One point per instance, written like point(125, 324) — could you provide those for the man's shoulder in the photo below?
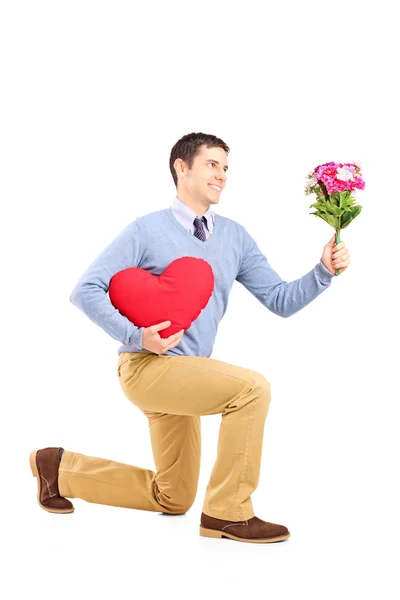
point(149, 219)
point(231, 224)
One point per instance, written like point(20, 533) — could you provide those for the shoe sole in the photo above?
point(35, 473)
point(214, 533)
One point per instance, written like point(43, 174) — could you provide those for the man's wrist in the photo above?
point(136, 338)
point(323, 272)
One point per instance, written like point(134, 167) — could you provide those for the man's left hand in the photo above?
point(336, 257)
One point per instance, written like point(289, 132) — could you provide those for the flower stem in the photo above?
point(337, 241)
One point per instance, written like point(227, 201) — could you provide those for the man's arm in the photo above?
point(90, 293)
point(280, 297)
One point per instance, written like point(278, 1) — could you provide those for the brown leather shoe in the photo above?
point(253, 530)
point(44, 464)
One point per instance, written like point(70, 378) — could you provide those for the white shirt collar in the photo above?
point(186, 215)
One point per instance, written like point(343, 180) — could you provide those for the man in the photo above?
point(174, 381)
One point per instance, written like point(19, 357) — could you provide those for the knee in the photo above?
point(262, 387)
point(177, 502)
point(179, 511)
point(178, 506)
point(262, 384)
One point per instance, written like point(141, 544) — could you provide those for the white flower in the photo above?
point(344, 174)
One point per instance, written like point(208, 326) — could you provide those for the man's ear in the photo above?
point(179, 166)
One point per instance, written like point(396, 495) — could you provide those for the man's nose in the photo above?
point(222, 176)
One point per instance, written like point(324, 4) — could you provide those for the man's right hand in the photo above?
point(154, 343)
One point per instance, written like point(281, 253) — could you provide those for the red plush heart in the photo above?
point(177, 295)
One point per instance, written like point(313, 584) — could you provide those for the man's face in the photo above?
point(206, 179)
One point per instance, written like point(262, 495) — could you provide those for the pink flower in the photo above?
point(339, 177)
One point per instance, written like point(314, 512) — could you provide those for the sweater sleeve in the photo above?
point(280, 297)
point(90, 292)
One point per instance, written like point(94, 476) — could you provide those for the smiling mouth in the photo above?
point(214, 187)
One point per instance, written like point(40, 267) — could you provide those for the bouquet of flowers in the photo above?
point(333, 184)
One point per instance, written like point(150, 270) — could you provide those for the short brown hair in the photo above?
point(188, 147)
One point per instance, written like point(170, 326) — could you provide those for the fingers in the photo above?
point(340, 263)
point(174, 337)
point(169, 347)
point(153, 342)
point(173, 340)
point(339, 246)
point(340, 257)
point(339, 253)
point(160, 326)
point(339, 249)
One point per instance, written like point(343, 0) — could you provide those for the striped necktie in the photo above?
point(199, 229)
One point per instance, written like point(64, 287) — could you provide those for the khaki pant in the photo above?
point(173, 392)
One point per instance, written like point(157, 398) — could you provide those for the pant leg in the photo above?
point(195, 386)
point(176, 443)
point(172, 489)
point(105, 481)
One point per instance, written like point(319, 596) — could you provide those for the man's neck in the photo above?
point(197, 207)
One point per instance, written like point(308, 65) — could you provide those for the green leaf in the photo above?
point(345, 205)
point(344, 225)
point(328, 218)
point(349, 216)
point(320, 205)
point(343, 197)
point(334, 210)
point(335, 198)
point(323, 211)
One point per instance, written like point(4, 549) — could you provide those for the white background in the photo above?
point(94, 95)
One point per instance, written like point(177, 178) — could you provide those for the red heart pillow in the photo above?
point(177, 295)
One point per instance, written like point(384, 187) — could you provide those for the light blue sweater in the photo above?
point(154, 240)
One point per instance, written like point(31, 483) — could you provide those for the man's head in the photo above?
point(198, 161)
